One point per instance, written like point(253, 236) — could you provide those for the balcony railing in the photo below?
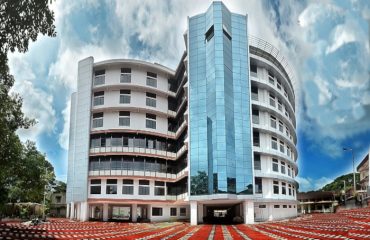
point(99, 80)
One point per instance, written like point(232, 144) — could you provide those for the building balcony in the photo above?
point(170, 177)
point(98, 151)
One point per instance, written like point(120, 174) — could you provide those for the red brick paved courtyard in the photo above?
point(350, 224)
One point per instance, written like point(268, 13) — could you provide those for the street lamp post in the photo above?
point(44, 205)
point(353, 165)
point(344, 191)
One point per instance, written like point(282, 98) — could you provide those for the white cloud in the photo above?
point(325, 95)
point(310, 184)
point(37, 103)
point(341, 36)
point(64, 135)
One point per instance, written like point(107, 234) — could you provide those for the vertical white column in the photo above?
point(72, 210)
point(149, 212)
point(200, 213)
point(270, 211)
point(67, 210)
point(78, 211)
point(84, 211)
point(248, 208)
point(105, 212)
point(193, 213)
point(134, 212)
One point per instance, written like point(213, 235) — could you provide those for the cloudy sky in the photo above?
point(326, 42)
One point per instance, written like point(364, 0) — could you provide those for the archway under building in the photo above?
point(222, 213)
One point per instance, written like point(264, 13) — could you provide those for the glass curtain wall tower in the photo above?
point(212, 140)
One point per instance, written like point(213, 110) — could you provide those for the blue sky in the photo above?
point(326, 42)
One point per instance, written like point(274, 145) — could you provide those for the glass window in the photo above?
point(276, 187)
point(275, 165)
point(143, 187)
point(289, 170)
point(271, 78)
point(157, 211)
point(273, 121)
point(97, 120)
point(111, 186)
point(99, 78)
point(95, 186)
point(151, 79)
point(209, 34)
point(285, 206)
point(173, 212)
point(274, 143)
point(255, 116)
point(253, 70)
point(98, 98)
point(226, 33)
point(254, 93)
point(159, 188)
point(124, 118)
point(182, 211)
point(283, 188)
point(287, 131)
point(150, 121)
point(280, 105)
point(282, 148)
point(290, 189)
point(125, 75)
point(262, 206)
point(288, 151)
point(276, 206)
point(128, 186)
point(256, 139)
point(278, 84)
point(281, 126)
point(151, 100)
point(257, 161)
point(258, 184)
point(125, 96)
point(272, 100)
point(282, 167)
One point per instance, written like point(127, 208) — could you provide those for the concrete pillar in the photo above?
point(72, 211)
point(84, 211)
point(308, 208)
point(67, 212)
point(105, 212)
point(270, 211)
point(248, 208)
point(200, 213)
point(134, 212)
point(193, 213)
point(78, 211)
point(149, 212)
point(323, 208)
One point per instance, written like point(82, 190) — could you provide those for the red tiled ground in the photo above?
point(350, 224)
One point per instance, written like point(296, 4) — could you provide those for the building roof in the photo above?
point(315, 195)
point(366, 159)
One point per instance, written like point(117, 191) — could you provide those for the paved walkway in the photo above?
point(351, 224)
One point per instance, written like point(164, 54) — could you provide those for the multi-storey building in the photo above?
point(213, 139)
point(364, 170)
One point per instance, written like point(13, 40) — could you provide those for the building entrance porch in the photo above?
point(118, 212)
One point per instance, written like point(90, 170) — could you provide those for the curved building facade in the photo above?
point(210, 141)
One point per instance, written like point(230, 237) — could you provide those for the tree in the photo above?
point(20, 22)
point(33, 174)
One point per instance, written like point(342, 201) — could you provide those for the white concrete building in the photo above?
point(213, 140)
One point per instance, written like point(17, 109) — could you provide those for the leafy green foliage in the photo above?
point(337, 185)
point(21, 165)
point(199, 183)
